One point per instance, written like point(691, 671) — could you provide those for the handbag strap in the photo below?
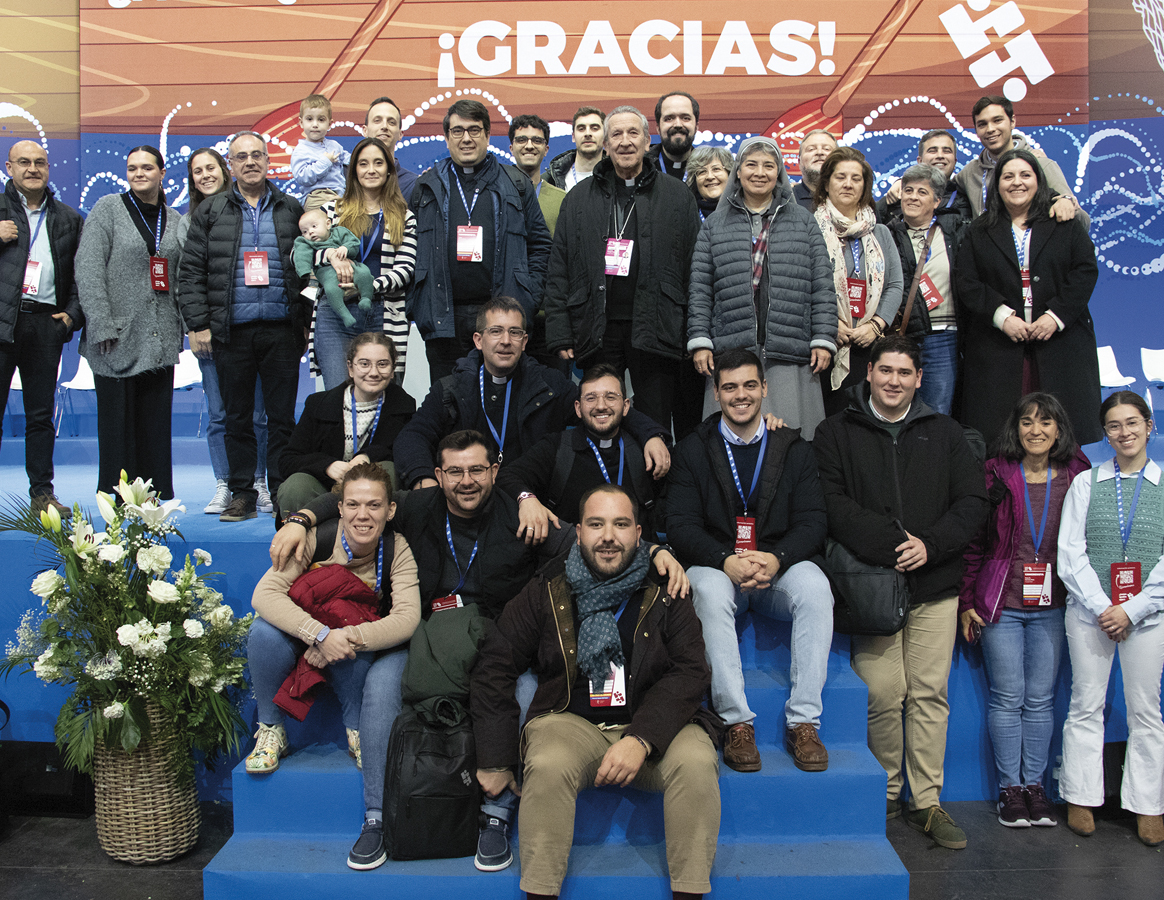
point(916, 279)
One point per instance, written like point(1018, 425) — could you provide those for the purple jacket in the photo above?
point(990, 555)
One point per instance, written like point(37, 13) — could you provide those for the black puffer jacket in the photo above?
point(953, 226)
point(206, 282)
point(64, 230)
point(559, 166)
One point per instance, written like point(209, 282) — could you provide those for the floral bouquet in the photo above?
point(125, 631)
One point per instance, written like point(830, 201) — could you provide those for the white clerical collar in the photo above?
point(606, 443)
point(873, 409)
point(467, 170)
point(630, 182)
point(498, 379)
point(732, 438)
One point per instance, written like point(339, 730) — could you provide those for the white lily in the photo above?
point(135, 493)
point(105, 507)
point(85, 539)
point(154, 513)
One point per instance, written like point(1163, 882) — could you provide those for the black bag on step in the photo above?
point(431, 797)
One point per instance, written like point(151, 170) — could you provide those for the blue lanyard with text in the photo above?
point(256, 211)
point(499, 439)
point(157, 231)
point(950, 202)
point(453, 550)
point(755, 475)
point(379, 557)
point(1022, 249)
point(377, 231)
point(930, 248)
point(602, 465)
point(468, 206)
point(39, 222)
point(1126, 529)
point(1038, 538)
point(984, 188)
point(375, 422)
point(855, 248)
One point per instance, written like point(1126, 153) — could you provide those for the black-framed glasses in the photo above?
point(459, 131)
point(497, 331)
point(456, 473)
point(523, 139)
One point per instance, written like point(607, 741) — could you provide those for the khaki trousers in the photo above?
point(563, 754)
point(908, 673)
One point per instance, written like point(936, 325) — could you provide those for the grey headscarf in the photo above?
point(759, 142)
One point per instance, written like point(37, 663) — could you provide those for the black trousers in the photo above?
point(443, 353)
point(268, 353)
point(653, 377)
point(133, 429)
point(36, 351)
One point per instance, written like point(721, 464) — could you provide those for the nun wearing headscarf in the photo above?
point(761, 278)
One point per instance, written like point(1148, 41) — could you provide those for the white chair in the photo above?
point(1109, 371)
point(81, 381)
point(1152, 362)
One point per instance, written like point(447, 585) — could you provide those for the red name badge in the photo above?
point(255, 271)
point(1036, 584)
point(32, 278)
point(745, 533)
point(857, 289)
point(613, 691)
point(159, 273)
point(452, 601)
point(618, 256)
point(470, 243)
point(1125, 581)
point(930, 293)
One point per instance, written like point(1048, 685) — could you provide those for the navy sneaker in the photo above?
point(368, 851)
point(493, 853)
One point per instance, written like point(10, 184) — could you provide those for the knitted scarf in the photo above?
point(599, 643)
point(837, 229)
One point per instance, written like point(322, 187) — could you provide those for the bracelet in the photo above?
point(658, 547)
point(298, 519)
point(641, 741)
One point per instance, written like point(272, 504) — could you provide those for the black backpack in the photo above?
point(431, 797)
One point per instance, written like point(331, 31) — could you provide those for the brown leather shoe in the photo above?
point(804, 744)
point(1080, 820)
point(739, 750)
point(1150, 829)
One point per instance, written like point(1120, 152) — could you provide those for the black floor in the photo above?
point(60, 859)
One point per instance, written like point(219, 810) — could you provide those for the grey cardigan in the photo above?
point(113, 282)
point(802, 303)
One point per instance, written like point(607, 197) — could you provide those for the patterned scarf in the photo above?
point(760, 250)
point(599, 643)
point(837, 229)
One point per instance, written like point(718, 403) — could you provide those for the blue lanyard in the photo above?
point(39, 222)
point(1038, 538)
point(255, 211)
point(1126, 529)
point(379, 557)
point(538, 189)
point(1022, 250)
point(499, 439)
point(377, 231)
point(930, 248)
point(157, 232)
point(950, 202)
point(468, 206)
point(375, 422)
point(755, 475)
point(602, 465)
point(855, 248)
point(702, 217)
point(453, 550)
point(984, 183)
point(622, 609)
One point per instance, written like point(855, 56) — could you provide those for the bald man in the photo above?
point(39, 309)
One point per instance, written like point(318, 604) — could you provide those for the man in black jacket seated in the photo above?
point(621, 677)
point(745, 512)
point(500, 392)
point(905, 491)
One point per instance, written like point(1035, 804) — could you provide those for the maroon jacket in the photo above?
point(666, 683)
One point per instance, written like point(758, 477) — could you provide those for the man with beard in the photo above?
point(621, 679)
point(814, 150)
point(677, 118)
point(936, 148)
point(529, 142)
point(746, 512)
point(556, 471)
point(569, 168)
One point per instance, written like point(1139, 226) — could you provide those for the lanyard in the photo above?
point(538, 189)
point(929, 248)
point(1023, 251)
point(499, 439)
point(39, 222)
point(255, 211)
point(453, 550)
point(626, 221)
point(702, 217)
point(157, 233)
point(855, 248)
point(953, 194)
point(755, 475)
point(622, 609)
point(602, 465)
point(379, 557)
point(1126, 530)
point(469, 207)
point(377, 231)
point(375, 421)
point(1038, 538)
point(984, 183)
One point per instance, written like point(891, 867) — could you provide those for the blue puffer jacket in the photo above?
point(802, 304)
point(259, 304)
point(522, 245)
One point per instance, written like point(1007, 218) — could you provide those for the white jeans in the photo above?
point(1141, 659)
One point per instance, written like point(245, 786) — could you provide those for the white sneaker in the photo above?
point(270, 747)
point(221, 499)
point(263, 504)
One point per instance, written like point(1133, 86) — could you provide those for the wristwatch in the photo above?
point(324, 631)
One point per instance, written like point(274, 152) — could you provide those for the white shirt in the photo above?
point(732, 438)
point(40, 251)
point(1084, 592)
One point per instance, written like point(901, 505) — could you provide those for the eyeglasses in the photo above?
point(382, 365)
point(458, 474)
point(23, 163)
point(611, 398)
point(256, 155)
point(497, 332)
point(458, 132)
point(522, 139)
point(1114, 428)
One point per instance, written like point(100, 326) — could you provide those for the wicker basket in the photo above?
point(144, 814)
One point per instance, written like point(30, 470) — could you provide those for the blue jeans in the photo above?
point(272, 654)
point(1022, 652)
point(216, 424)
point(939, 356)
point(382, 704)
point(332, 338)
point(800, 595)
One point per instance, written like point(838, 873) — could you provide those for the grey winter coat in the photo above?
point(113, 281)
point(802, 304)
